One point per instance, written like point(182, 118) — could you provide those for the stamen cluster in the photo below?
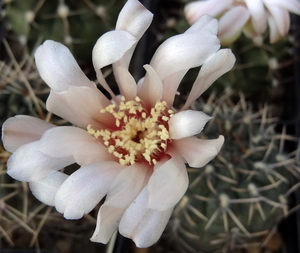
point(138, 134)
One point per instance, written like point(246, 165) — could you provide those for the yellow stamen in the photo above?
point(140, 135)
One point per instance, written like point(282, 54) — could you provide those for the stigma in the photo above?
point(138, 134)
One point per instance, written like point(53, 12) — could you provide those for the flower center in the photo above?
point(138, 135)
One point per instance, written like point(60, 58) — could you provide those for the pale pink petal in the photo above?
point(92, 152)
point(168, 183)
point(187, 123)
point(142, 224)
point(197, 152)
point(281, 18)
point(220, 63)
point(22, 129)
point(58, 68)
point(45, 189)
point(258, 15)
point(84, 189)
point(180, 53)
point(194, 10)
point(126, 83)
point(274, 31)
point(206, 22)
point(80, 106)
point(170, 86)
point(27, 163)
point(151, 89)
point(124, 189)
point(57, 103)
point(64, 141)
point(290, 5)
point(232, 22)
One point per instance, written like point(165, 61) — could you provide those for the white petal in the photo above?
point(27, 163)
point(282, 19)
point(142, 224)
point(258, 15)
point(178, 54)
point(168, 183)
point(58, 68)
point(232, 22)
point(198, 152)
point(220, 63)
point(124, 189)
point(22, 129)
point(45, 189)
point(206, 22)
point(111, 47)
point(184, 51)
point(134, 18)
point(151, 89)
point(64, 141)
point(194, 10)
point(274, 31)
point(84, 189)
point(290, 5)
point(187, 123)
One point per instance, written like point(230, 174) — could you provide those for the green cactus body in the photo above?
point(78, 24)
point(239, 197)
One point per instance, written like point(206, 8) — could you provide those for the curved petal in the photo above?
point(274, 31)
point(232, 22)
point(142, 224)
point(22, 129)
point(168, 183)
point(135, 19)
point(45, 189)
point(198, 152)
point(65, 140)
point(27, 163)
point(281, 18)
point(290, 5)
point(58, 68)
point(194, 10)
point(187, 123)
point(180, 53)
point(84, 189)
point(220, 63)
point(110, 48)
point(184, 51)
point(151, 88)
point(258, 15)
point(124, 189)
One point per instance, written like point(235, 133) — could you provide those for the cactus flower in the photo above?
point(250, 16)
point(131, 149)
